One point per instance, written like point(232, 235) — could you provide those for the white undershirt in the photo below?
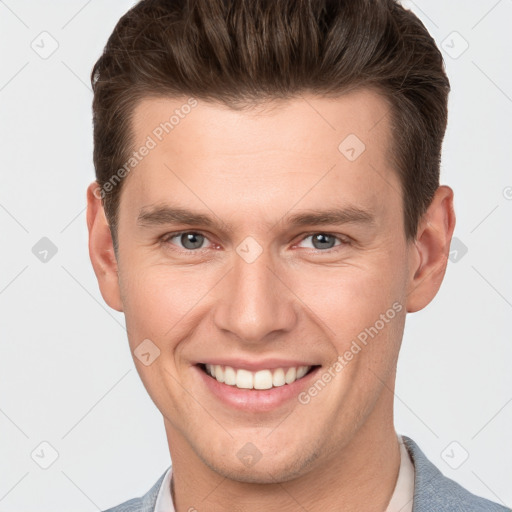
point(401, 500)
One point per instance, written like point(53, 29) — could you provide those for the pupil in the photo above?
point(191, 240)
point(323, 239)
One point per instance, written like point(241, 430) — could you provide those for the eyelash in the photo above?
point(343, 241)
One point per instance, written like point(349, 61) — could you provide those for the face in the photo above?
point(264, 244)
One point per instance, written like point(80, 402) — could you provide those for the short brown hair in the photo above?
point(243, 52)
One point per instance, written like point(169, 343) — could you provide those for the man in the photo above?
point(266, 212)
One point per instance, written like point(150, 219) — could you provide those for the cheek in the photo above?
point(351, 292)
point(159, 301)
point(356, 303)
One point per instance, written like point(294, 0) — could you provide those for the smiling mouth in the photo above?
point(259, 380)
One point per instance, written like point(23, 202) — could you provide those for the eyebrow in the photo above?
point(165, 215)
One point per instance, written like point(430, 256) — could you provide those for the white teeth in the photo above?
point(291, 375)
point(244, 379)
point(219, 373)
point(262, 379)
point(301, 371)
point(278, 377)
point(229, 376)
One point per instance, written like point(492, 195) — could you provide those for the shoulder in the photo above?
point(133, 505)
point(434, 491)
point(144, 503)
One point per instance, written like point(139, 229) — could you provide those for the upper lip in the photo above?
point(267, 364)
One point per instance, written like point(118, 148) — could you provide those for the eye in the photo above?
point(189, 240)
point(192, 241)
point(327, 241)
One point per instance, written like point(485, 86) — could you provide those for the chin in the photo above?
point(266, 470)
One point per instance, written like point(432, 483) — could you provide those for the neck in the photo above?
point(361, 476)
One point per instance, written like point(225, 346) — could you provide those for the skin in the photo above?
point(249, 169)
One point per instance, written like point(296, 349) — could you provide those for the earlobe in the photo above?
point(430, 250)
point(101, 249)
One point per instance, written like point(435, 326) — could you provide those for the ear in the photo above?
point(431, 249)
point(101, 249)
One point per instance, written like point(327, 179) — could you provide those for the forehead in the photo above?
point(362, 112)
point(306, 149)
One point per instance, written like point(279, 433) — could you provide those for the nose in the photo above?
point(255, 302)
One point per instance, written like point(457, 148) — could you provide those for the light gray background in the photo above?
point(66, 374)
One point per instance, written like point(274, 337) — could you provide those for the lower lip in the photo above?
point(256, 400)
